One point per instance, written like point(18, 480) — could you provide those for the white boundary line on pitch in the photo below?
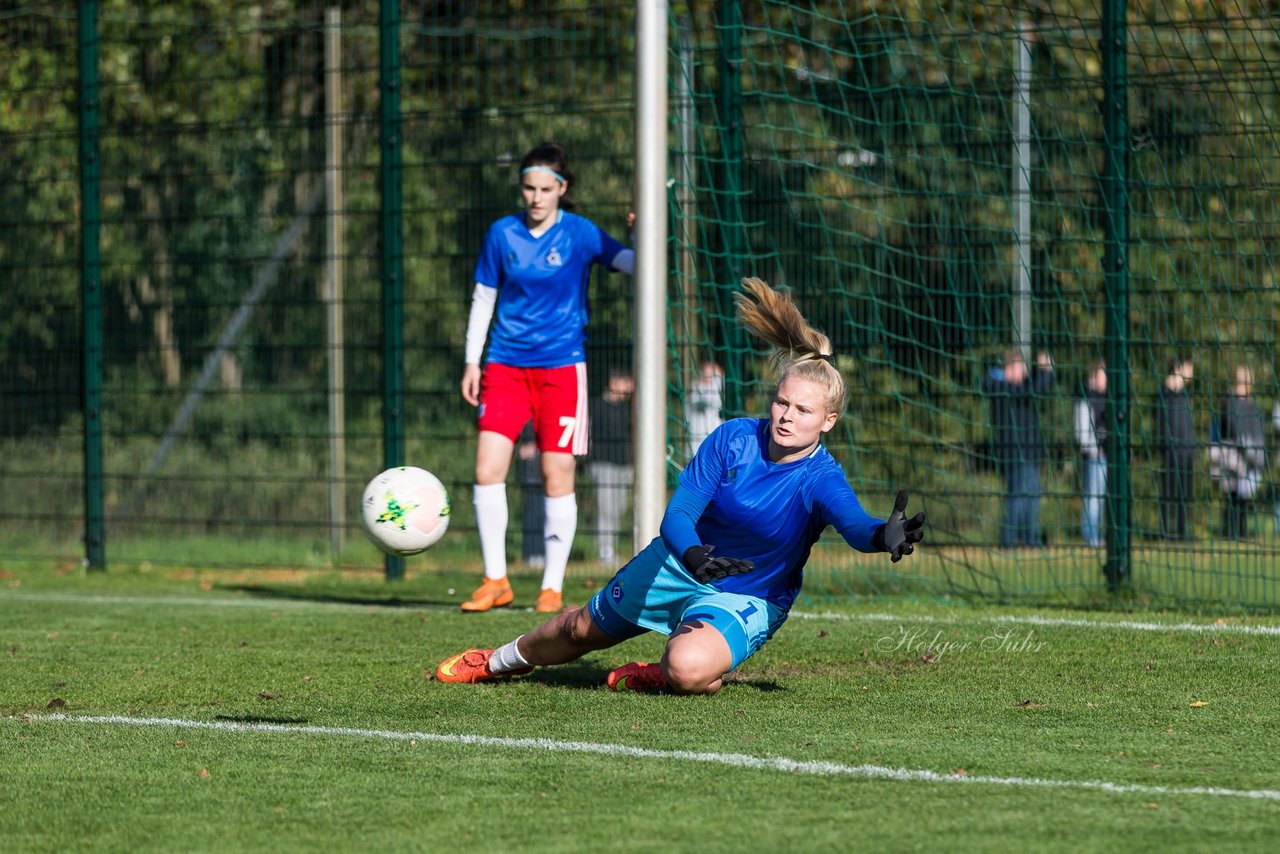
point(1034, 620)
point(379, 607)
point(737, 760)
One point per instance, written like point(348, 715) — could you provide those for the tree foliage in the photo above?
point(876, 181)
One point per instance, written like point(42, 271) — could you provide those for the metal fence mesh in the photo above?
point(929, 179)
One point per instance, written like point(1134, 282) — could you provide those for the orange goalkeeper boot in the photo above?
point(638, 676)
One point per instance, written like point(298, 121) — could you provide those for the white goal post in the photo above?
point(651, 269)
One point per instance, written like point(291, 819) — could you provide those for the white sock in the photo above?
point(491, 518)
point(507, 658)
point(562, 523)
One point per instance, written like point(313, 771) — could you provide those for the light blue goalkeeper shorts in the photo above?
point(654, 592)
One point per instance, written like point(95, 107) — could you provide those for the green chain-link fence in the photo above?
point(940, 183)
point(937, 183)
point(213, 124)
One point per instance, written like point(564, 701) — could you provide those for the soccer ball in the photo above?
point(406, 510)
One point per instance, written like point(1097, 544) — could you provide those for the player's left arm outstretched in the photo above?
point(896, 535)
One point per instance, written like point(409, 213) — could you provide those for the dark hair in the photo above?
point(552, 156)
point(1178, 361)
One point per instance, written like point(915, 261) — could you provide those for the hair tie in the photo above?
point(829, 358)
point(553, 173)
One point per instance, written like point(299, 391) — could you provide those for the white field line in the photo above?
point(736, 760)
point(376, 607)
point(1036, 620)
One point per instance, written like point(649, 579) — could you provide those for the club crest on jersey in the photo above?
point(553, 257)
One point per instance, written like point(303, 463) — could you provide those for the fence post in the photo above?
point(391, 224)
point(91, 287)
point(1022, 193)
point(1115, 121)
point(729, 191)
point(335, 225)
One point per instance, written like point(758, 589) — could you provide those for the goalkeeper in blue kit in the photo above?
point(722, 576)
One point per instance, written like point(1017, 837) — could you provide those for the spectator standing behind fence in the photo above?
point(1177, 441)
point(1237, 456)
point(1018, 445)
point(703, 405)
point(1275, 424)
point(1090, 419)
point(533, 272)
point(533, 517)
point(610, 461)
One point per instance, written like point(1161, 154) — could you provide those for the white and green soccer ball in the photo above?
point(406, 510)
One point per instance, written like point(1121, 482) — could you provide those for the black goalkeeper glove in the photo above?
point(705, 568)
point(899, 535)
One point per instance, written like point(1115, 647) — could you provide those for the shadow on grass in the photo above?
point(579, 675)
point(763, 685)
point(293, 594)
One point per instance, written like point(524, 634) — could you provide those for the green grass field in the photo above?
point(226, 711)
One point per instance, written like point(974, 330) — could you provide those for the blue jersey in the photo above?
point(770, 513)
point(542, 288)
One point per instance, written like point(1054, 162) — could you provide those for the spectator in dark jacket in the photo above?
point(1018, 445)
point(1176, 437)
point(1275, 424)
point(1239, 456)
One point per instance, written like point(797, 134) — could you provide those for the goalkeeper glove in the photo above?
point(705, 568)
point(899, 535)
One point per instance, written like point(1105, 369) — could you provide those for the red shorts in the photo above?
point(555, 398)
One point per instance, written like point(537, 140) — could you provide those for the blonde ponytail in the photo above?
point(799, 349)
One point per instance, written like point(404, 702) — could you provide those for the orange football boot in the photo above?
point(549, 602)
point(492, 593)
point(472, 666)
point(638, 676)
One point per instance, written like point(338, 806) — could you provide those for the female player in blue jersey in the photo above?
point(533, 271)
point(722, 576)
